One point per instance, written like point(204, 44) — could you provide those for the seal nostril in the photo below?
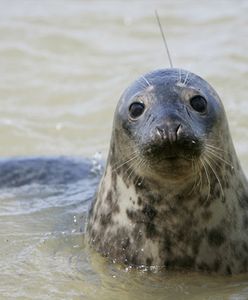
point(171, 134)
point(160, 132)
point(178, 130)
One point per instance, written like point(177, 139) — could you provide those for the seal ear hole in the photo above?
point(136, 109)
point(199, 104)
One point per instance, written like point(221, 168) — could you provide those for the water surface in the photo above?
point(63, 66)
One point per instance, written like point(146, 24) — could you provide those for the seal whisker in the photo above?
point(207, 176)
point(142, 164)
point(147, 82)
point(133, 163)
point(200, 182)
point(121, 161)
point(186, 79)
point(194, 171)
point(180, 76)
point(215, 173)
point(133, 157)
point(143, 82)
point(213, 159)
point(217, 156)
point(201, 179)
point(195, 182)
point(180, 81)
point(119, 164)
point(215, 148)
point(197, 172)
point(133, 166)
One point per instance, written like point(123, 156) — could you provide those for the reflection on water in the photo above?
point(63, 66)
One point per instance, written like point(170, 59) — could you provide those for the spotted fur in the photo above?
point(188, 213)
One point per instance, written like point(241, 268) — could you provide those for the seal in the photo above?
point(173, 194)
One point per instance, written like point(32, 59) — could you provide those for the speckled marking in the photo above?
point(188, 213)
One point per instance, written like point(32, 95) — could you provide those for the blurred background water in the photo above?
point(63, 67)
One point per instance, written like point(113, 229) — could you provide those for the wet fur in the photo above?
point(191, 215)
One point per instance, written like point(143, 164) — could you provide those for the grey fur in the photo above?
point(173, 194)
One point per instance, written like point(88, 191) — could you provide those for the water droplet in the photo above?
point(97, 163)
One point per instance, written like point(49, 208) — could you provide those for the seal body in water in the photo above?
point(173, 193)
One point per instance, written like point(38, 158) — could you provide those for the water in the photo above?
point(63, 66)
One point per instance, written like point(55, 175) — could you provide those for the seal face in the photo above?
point(173, 193)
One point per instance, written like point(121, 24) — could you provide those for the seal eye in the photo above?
point(136, 109)
point(199, 104)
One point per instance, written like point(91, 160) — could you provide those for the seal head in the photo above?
point(166, 122)
point(173, 193)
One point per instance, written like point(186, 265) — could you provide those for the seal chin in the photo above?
point(171, 167)
point(173, 160)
